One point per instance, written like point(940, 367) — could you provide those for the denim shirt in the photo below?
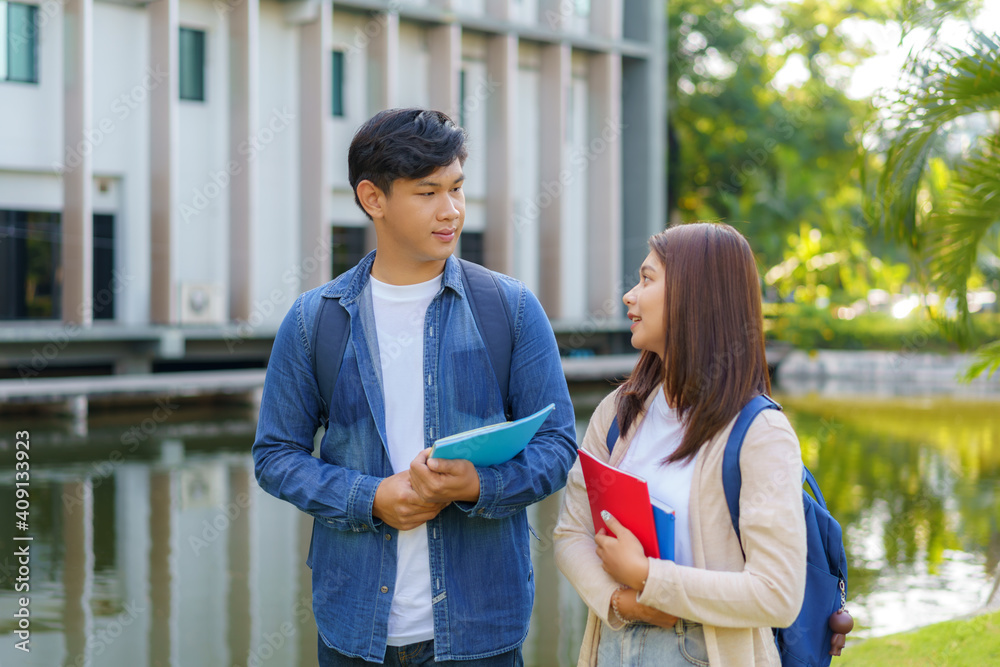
point(481, 575)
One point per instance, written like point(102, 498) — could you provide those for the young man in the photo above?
point(415, 561)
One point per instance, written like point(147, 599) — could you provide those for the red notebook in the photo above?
point(625, 496)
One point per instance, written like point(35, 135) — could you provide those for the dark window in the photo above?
point(104, 264)
point(31, 262)
point(337, 74)
point(472, 247)
point(18, 42)
point(348, 247)
point(191, 48)
point(29, 265)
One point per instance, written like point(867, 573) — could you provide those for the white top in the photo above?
point(660, 435)
point(399, 321)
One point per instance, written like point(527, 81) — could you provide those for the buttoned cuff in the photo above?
point(490, 489)
point(360, 502)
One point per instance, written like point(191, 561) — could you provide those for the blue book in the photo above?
point(494, 444)
point(664, 517)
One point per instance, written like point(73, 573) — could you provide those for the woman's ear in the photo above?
point(372, 198)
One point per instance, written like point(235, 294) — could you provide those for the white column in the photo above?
point(553, 168)
point(445, 44)
point(384, 54)
point(244, 104)
point(501, 117)
point(78, 568)
point(163, 164)
point(604, 203)
point(78, 210)
point(315, 89)
point(385, 57)
point(606, 18)
point(498, 9)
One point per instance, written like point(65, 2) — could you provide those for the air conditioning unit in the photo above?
point(202, 303)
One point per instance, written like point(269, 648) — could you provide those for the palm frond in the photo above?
point(986, 360)
point(939, 87)
point(959, 224)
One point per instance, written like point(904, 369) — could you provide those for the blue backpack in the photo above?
point(807, 641)
point(489, 310)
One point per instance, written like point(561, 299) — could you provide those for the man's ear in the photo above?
point(372, 199)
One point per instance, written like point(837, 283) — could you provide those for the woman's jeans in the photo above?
point(642, 645)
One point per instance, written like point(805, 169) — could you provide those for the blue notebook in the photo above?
point(494, 444)
point(664, 517)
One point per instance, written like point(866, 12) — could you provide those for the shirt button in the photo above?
point(385, 589)
point(388, 536)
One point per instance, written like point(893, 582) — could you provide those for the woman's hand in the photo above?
point(622, 556)
point(633, 610)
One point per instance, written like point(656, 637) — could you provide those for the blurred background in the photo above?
point(173, 174)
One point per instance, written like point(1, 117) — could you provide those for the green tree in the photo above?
point(941, 202)
point(750, 145)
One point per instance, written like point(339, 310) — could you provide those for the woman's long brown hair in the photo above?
point(713, 361)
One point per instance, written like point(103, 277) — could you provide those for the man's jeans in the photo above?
point(416, 655)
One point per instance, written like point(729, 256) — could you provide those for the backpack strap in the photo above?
point(732, 478)
point(489, 309)
point(330, 334)
point(493, 319)
point(613, 433)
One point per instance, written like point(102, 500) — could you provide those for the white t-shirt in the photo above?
point(399, 321)
point(659, 436)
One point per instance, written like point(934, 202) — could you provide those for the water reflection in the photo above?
point(169, 554)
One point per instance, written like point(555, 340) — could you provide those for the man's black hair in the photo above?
point(403, 143)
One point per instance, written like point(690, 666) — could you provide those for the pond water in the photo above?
point(152, 545)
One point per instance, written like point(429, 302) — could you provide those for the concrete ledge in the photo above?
point(841, 372)
point(196, 383)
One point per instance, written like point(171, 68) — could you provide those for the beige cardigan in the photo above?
point(737, 602)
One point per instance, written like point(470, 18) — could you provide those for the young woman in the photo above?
point(696, 317)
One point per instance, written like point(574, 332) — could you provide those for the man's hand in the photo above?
point(444, 480)
point(632, 610)
point(622, 556)
point(397, 504)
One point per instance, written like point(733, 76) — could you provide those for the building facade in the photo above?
point(173, 173)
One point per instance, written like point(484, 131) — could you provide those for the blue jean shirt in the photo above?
point(481, 574)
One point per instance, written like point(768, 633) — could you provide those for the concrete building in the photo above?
point(173, 173)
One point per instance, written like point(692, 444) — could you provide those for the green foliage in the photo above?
point(964, 643)
point(944, 204)
point(836, 267)
point(808, 327)
point(987, 360)
point(748, 150)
